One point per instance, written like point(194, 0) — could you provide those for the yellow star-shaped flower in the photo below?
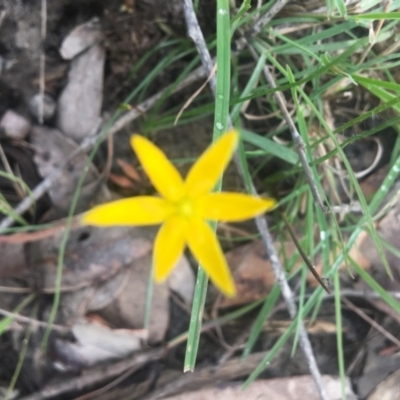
point(184, 209)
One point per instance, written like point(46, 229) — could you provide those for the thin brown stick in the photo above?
point(303, 254)
point(194, 95)
point(97, 376)
point(31, 321)
point(234, 368)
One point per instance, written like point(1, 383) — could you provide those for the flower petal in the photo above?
point(141, 210)
point(168, 247)
point(232, 206)
point(204, 245)
point(205, 173)
point(163, 175)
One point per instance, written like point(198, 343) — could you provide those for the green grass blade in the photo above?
point(6, 321)
point(220, 126)
point(353, 181)
point(376, 287)
point(377, 15)
point(386, 185)
point(261, 318)
point(270, 147)
point(246, 4)
point(21, 356)
point(271, 354)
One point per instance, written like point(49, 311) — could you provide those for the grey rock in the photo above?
point(15, 126)
point(49, 106)
point(81, 38)
point(79, 105)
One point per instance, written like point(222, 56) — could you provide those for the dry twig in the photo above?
point(97, 376)
point(267, 17)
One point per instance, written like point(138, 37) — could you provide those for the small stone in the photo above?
point(79, 104)
point(49, 106)
point(15, 126)
point(81, 38)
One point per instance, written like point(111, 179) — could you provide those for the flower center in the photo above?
point(185, 208)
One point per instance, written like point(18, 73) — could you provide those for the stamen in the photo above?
point(185, 208)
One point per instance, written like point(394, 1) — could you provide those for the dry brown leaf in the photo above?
point(105, 271)
point(121, 181)
point(356, 253)
point(95, 343)
point(388, 229)
point(381, 373)
point(314, 327)
point(129, 170)
point(252, 272)
point(389, 389)
point(291, 388)
point(371, 185)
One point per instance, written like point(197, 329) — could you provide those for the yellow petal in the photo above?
point(141, 210)
point(204, 245)
point(163, 175)
point(232, 206)
point(208, 169)
point(168, 247)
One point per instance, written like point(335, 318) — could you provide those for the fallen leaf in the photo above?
point(121, 181)
point(291, 388)
point(388, 229)
point(95, 343)
point(389, 389)
point(129, 170)
point(106, 271)
point(381, 373)
point(252, 272)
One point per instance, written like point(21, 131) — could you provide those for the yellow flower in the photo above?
point(184, 209)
